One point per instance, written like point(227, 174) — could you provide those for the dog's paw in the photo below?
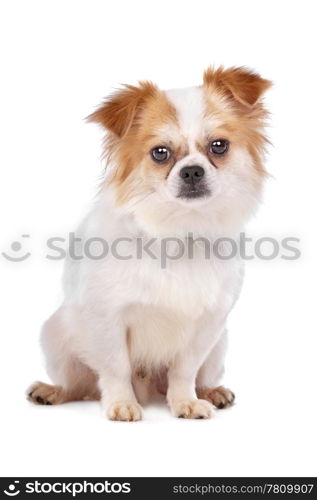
point(197, 408)
point(125, 411)
point(45, 394)
point(220, 397)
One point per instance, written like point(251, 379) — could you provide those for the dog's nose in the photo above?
point(192, 175)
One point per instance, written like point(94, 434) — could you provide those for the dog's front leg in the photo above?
point(107, 354)
point(181, 393)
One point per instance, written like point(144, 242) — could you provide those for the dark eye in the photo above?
point(219, 146)
point(160, 154)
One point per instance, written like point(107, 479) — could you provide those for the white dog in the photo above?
point(184, 167)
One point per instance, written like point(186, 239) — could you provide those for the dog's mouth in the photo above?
point(193, 193)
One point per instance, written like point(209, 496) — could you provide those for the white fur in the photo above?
point(190, 107)
point(175, 316)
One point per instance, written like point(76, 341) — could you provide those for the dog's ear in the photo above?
point(118, 112)
point(241, 84)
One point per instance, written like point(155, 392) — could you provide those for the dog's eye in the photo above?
point(219, 146)
point(160, 154)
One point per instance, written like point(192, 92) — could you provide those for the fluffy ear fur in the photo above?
point(119, 111)
point(241, 84)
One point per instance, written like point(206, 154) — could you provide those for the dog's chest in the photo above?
point(169, 306)
point(188, 287)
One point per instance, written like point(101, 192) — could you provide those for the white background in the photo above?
point(58, 59)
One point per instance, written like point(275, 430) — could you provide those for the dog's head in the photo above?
point(189, 155)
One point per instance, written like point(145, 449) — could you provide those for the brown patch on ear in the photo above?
point(119, 111)
point(239, 83)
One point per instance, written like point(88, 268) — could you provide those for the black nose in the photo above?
point(192, 175)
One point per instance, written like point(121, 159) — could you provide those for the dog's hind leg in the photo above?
point(73, 380)
point(210, 374)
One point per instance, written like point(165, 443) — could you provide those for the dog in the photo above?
point(183, 165)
